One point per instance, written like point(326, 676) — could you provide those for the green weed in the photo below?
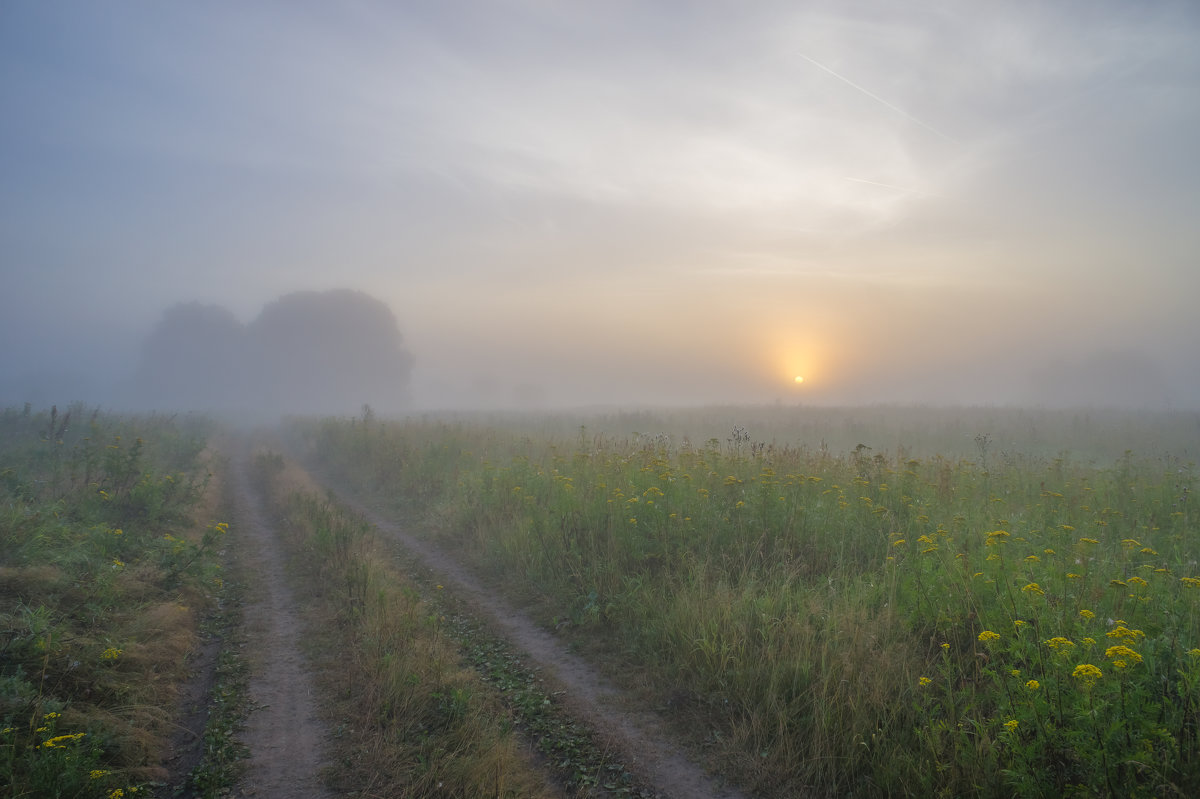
point(103, 574)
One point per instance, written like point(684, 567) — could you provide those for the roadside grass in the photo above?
point(855, 623)
point(218, 760)
point(410, 718)
point(108, 564)
point(223, 753)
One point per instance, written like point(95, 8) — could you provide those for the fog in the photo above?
point(608, 204)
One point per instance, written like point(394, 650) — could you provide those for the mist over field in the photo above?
point(606, 204)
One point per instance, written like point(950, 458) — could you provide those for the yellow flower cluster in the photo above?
point(1122, 656)
point(1088, 674)
point(60, 740)
point(988, 635)
point(1121, 631)
point(1060, 645)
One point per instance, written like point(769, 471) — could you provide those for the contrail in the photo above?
point(878, 99)
point(884, 185)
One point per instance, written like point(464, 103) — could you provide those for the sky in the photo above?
point(592, 203)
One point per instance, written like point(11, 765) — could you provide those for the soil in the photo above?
point(284, 733)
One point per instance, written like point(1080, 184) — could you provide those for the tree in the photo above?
point(308, 352)
point(192, 359)
point(332, 351)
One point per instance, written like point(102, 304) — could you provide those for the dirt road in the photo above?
point(284, 735)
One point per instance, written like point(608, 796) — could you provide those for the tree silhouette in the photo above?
point(193, 358)
point(307, 352)
point(328, 351)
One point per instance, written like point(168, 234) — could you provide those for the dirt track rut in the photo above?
point(284, 735)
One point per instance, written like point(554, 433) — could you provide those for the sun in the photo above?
point(799, 379)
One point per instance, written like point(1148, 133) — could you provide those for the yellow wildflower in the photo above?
point(58, 740)
point(1060, 645)
point(1121, 631)
point(1087, 674)
point(1120, 655)
point(988, 635)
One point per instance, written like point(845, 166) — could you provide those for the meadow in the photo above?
point(108, 560)
point(920, 602)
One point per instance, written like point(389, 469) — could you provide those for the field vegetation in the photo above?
point(108, 559)
point(899, 602)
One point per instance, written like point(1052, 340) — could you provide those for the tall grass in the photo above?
point(856, 623)
point(104, 571)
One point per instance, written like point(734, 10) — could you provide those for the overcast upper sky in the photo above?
point(619, 202)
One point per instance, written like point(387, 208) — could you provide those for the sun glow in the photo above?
point(799, 379)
